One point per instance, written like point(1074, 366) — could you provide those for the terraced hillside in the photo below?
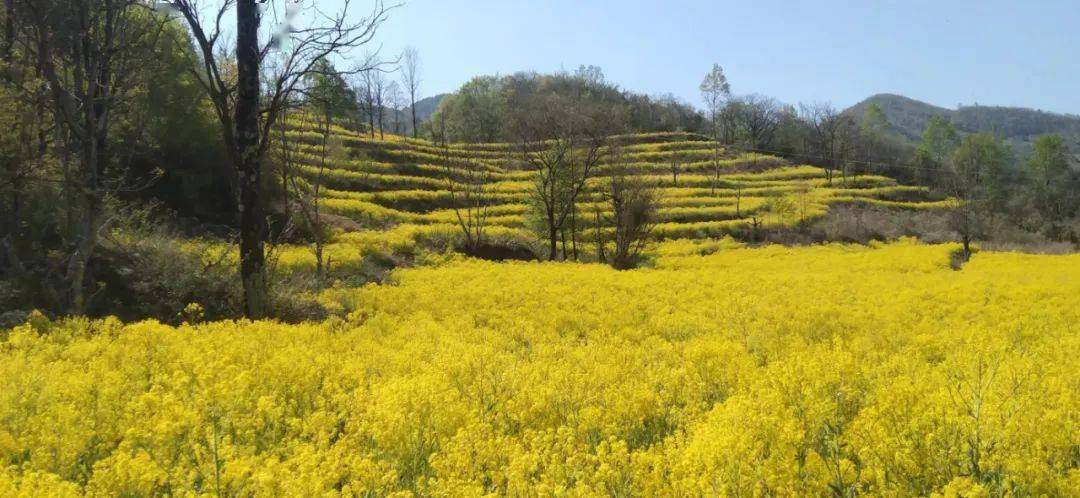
point(711, 191)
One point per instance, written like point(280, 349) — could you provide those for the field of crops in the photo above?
point(400, 181)
point(826, 370)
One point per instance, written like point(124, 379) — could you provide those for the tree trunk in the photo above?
point(371, 119)
point(9, 29)
point(553, 240)
point(573, 232)
point(80, 259)
point(599, 239)
point(562, 234)
point(381, 123)
point(252, 225)
point(412, 107)
point(89, 206)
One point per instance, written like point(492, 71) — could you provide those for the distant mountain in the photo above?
point(907, 116)
point(1018, 125)
point(425, 107)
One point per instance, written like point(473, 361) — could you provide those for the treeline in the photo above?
point(484, 109)
point(116, 110)
point(1000, 196)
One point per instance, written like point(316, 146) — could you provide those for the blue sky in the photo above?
point(947, 52)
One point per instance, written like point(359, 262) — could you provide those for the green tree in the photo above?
point(977, 181)
point(715, 91)
point(872, 130)
point(939, 138)
point(475, 112)
point(1049, 169)
point(328, 93)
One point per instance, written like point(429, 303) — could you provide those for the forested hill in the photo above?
point(400, 120)
point(426, 107)
point(486, 108)
point(1018, 125)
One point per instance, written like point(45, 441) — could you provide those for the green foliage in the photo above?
point(715, 87)
point(980, 165)
point(874, 123)
point(939, 138)
point(172, 134)
point(489, 108)
point(328, 93)
point(1049, 170)
point(472, 114)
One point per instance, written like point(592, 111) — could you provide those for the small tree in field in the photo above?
point(831, 137)
point(715, 91)
point(974, 180)
point(564, 140)
point(469, 197)
point(634, 205)
point(410, 79)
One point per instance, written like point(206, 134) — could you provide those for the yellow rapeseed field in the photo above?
point(827, 370)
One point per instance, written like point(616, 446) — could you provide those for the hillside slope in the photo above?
point(402, 181)
point(1018, 125)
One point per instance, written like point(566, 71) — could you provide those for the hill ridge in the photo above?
point(1018, 125)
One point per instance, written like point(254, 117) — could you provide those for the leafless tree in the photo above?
point(410, 78)
point(564, 169)
point(395, 101)
point(306, 190)
point(564, 139)
point(830, 135)
point(248, 108)
point(634, 204)
point(365, 96)
point(378, 85)
point(715, 166)
point(727, 123)
point(469, 185)
point(674, 167)
point(755, 119)
point(371, 91)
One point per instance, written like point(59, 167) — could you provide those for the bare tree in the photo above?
point(247, 110)
point(307, 189)
point(634, 205)
point(394, 100)
point(469, 197)
point(410, 78)
point(88, 52)
point(755, 119)
point(365, 95)
point(727, 123)
point(377, 87)
point(564, 169)
point(565, 139)
point(371, 91)
point(674, 168)
point(716, 166)
point(830, 136)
